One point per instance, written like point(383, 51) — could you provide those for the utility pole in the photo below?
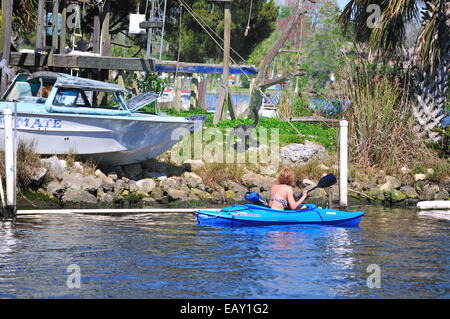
point(221, 111)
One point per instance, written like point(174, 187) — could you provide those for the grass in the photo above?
point(213, 173)
point(316, 132)
point(312, 170)
point(380, 120)
point(27, 162)
point(89, 166)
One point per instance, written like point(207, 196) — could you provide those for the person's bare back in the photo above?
point(282, 194)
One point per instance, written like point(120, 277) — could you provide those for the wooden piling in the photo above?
point(62, 38)
point(178, 93)
point(96, 32)
point(105, 49)
point(40, 25)
point(194, 91)
point(220, 113)
point(55, 25)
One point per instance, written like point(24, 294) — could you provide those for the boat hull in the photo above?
point(253, 215)
point(109, 140)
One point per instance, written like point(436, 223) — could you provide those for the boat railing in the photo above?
point(86, 110)
point(32, 99)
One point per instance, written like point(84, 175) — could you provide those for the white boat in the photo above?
point(72, 119)
point(168, 97)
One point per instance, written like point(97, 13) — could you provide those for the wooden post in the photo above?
point(202, 93)
point(105, 49)
point(40, 25)
point(2, 24)
point(231, 107)
point(194, 92)
point(6, 34)
point(218, 115)
point(226, 49)
point(178, 93)
point(55, 24)
point(62, 38)
point(120, 80)
point(96, 32)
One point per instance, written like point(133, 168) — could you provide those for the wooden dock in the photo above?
point(25, 59)
point(80, 61)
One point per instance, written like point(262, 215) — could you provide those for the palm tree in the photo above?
point(433, 44)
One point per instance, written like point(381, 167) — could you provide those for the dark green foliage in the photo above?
point(150, 82)
point(443, 146)
point(197, 45)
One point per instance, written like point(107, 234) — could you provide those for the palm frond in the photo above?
point(434, 37)
point(389, 33)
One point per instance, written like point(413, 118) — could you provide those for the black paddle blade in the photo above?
point(326, 181)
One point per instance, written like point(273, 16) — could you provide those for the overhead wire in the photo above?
point(197, 17)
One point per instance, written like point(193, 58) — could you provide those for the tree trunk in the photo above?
point(260, 80)
point(432, 94)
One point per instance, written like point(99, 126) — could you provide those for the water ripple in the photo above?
point(170, 256)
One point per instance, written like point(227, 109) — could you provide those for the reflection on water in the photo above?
point(170, 256)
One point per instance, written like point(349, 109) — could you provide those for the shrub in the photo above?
point(380, 119)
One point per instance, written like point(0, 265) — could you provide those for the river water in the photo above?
point(400, 253)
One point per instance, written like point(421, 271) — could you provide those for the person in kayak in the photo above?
point(282, 194)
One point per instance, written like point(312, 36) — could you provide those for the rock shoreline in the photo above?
point(59, 184)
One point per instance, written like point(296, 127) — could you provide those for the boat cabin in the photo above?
point(63, 93)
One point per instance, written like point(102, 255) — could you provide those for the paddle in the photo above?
point(324, 182)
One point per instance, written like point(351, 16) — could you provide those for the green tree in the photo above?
point(24, 15)
point(385, 32)
point(320, 52)
point(322, 46)
point(197, 45)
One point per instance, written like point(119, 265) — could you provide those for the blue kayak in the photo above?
point(255, 215)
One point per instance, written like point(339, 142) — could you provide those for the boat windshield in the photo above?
point(33, 90)
point(74, 97)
